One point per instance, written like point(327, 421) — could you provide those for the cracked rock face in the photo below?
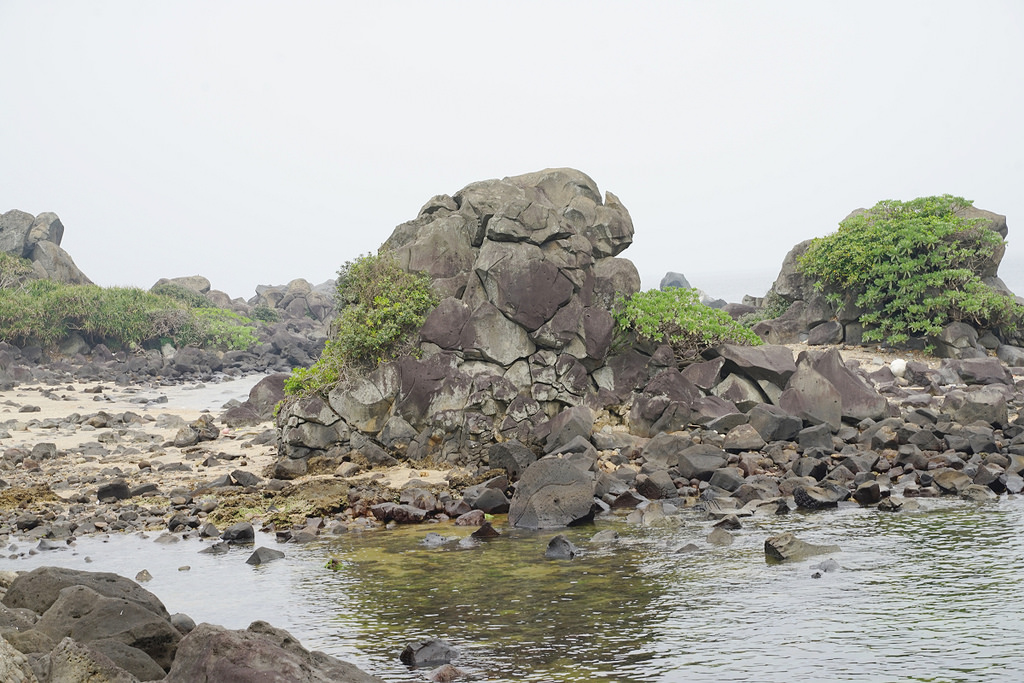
point(526, 269)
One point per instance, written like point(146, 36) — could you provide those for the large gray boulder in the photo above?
point(15, 226)
point(213, 654)
point(553, 492)
point(38, 589)
point(38, 238)
point(82, 614)
point(858, 399)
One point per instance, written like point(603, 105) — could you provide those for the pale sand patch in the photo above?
point(144, 441)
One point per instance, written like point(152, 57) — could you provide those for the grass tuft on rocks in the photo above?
point(45, 312)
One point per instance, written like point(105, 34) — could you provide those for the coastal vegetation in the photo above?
point(912, 268)
point(380, 309)
point(45, 313)
point(676, 317)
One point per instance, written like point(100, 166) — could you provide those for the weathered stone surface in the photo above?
point(490, 335)
point(830, 332)
point(788, 548)
point(15, 226)
point(986, 370)
point(74, 662)
point(740, 391)
point(85, 615)
point(814, 498)
point(212, 654)
point(664, 449)
point(511, 456)
point(700, 461)
point(743, 438)
point(774, 423)
point(987, 404)
point(811, 397)
point(367, 404)
point(858, 400)
point(57, 264)
point(38, 589)
point(552, 492)
point(664, 405)
point(769, 362)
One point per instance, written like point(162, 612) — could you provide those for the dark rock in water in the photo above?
point(814, 498)
point(485, 531)
point(263, 555)
point(730, 521)
point(403, 514)
point(445, 673)
point(49, 544)
point(213, 654)
point(720, 537)
point(428, 652)
point(788, 548)
point(978, 494)
point(492, 501)
point(241, 532)
point(434, 540)
point(868, 493)
point(605, 536)
point(217, 549)
point(828, 565)
point(553, 492)
point(560, 548)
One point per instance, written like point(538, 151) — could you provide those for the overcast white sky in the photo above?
point(257, 142)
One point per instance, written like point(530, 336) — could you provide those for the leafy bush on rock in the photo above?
point(381, 307)
point(913, 267)
point(676, 317)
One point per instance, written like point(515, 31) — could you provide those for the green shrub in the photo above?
point(217, 328)
point(265, 313)
point(183, 294)
point(677, 317)
point(45, 312)
point(381, 308)
point(913, 267)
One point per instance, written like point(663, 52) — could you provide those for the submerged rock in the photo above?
point(788, 548)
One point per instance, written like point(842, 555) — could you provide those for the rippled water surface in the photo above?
point(933, 595)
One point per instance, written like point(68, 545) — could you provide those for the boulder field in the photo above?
point(68, 625)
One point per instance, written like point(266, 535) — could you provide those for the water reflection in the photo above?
point(930, 595)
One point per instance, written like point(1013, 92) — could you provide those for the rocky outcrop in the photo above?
point(810, 317)
point(37, 238)
point(526, 269)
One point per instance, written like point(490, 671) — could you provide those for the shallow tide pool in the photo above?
point(931, 595)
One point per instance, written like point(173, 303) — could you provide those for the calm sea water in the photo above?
point(932, 595)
